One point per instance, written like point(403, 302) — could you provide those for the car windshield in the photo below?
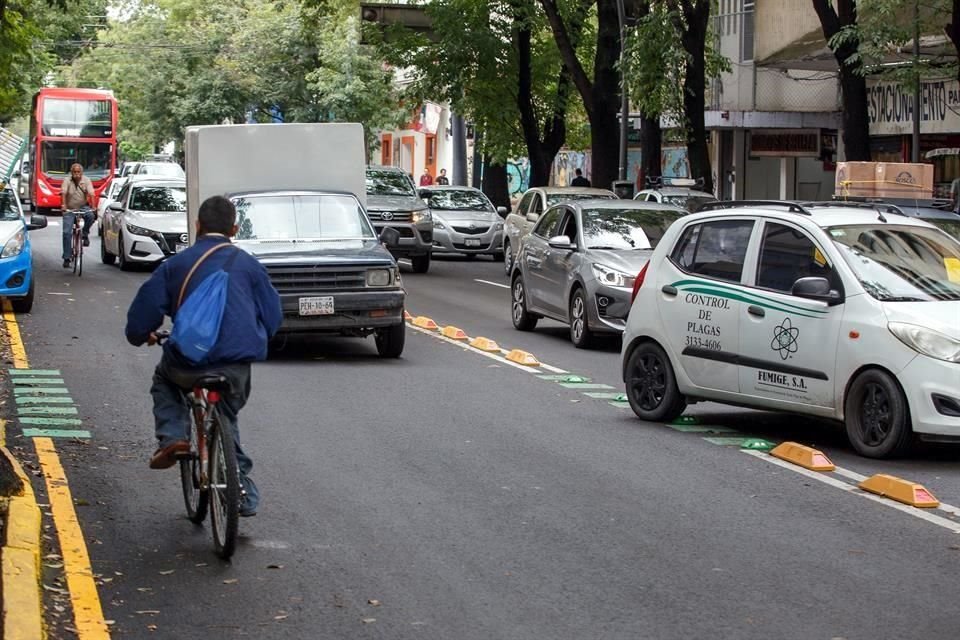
point(625, 228)
point(389, 183)
point(901, 263)
point(690, 202)
point(557, 198)
point(301, 217)
point(951, 227)
point(8, 206)
point(459, 200)
point(165, 169)
point(159, 199)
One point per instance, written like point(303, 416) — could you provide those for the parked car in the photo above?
point(16, 258)
point(146, 223)
point(845, 313)
point(578, 264)
point(393, 201)
point(533, 203)
point(464, 221)
point(107, 196)
point(679, 192)
point(23, 182)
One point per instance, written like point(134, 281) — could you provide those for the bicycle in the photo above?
point(79, 216)
point(209, 473)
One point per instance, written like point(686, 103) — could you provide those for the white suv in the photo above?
point(849, 313)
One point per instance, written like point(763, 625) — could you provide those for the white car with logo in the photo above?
point(146, 223)
point(845, 313)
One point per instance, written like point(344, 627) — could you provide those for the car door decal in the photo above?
point(755, 363)
point(711, 288)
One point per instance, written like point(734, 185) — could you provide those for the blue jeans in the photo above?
point(88, 217)
point(171, 411)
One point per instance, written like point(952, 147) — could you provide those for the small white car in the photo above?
point(845, 313)
point(679, 192)
point(146, 223)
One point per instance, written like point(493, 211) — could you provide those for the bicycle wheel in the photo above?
point(76, 249)
point(195, 497)
point(79, 258)
point(224, 487)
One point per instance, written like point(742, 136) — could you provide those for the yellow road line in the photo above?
point(13, 331)
point(87, 612)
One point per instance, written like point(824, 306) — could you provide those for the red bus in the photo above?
point(70, 126)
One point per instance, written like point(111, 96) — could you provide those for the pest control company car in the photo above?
point(839, 312)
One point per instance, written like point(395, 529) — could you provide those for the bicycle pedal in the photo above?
point(185, 455)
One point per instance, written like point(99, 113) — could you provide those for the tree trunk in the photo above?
point(651, 148)
point(853, 86)
point(694, 39)
point(953, 30)
point(495, 183)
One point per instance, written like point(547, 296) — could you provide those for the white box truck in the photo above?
point(299, 190)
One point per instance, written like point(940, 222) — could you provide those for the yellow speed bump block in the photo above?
point(424, 322)
point(484, 344)
point(454, 333)
point(806, 457)
point(916, 495)
point(523, 357)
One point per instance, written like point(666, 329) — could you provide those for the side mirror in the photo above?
point(390, 237)
point(561, 242)
point(533, 217)
point(503, 212)
point(816, 288)
point(115, 206)
point(37, 222)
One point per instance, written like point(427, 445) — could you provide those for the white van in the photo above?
point(843, 312)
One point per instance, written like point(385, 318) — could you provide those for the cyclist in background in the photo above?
point(252, 315)
point(76, 196)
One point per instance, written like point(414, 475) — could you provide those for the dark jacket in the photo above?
point(252, 314)
point(579, 181)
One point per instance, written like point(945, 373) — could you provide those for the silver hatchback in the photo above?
point(579, 263)
point(464, 221)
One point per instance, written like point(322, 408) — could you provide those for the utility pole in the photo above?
point(915, 146)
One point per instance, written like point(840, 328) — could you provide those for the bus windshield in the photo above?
point(58, 157)
point(77, 118)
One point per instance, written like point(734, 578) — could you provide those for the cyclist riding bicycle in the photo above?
point(252, 316)
point(76, 197)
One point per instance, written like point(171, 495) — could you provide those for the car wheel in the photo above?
point(24, 304)
point(125, 265)
point(877, 416)
point(523, 320)
point(498, 256)
point(390, 340)
point(507, 258)
point(580, 333)
point(652, 385)
point(421, 264)
point(105, 256)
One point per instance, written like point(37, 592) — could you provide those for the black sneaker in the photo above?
point(66, 263)
point(86, 241)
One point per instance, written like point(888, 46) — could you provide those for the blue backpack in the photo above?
point(196, 322)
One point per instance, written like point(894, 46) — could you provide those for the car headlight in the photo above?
point(612, 277)
point(422, 216)
point(43, 187)
point(14, 245)
point(437, 223)
point(498, 226)
point(139, 231)
point(927, 341)
point(379, 277)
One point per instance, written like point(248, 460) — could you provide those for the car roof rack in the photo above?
point(792, 207)
point(880, 207)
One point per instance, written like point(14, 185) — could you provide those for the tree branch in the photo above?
point(568, 52)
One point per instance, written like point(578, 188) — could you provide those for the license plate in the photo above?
point(472, 242)
point(316, 306)
point(180, 247)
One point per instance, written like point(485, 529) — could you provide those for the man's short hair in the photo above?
point(217, 215)
point(76, 164)
point(578, 172)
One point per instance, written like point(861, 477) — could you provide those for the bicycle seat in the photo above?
point(213, 382)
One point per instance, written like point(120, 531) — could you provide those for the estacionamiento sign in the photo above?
point(890, 107)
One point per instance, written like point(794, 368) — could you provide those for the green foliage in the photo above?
point(177, 63)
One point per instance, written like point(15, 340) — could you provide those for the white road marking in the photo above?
point(489, 354)
point(495, 284)
point(56, 293)
point(923, 514)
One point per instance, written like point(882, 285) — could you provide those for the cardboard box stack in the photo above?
point(884, 180)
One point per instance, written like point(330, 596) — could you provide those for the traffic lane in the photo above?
point(453, 294)
point(490, 518)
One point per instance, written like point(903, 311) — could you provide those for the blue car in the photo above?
point(16, 259)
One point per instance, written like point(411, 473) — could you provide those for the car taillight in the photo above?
point(639, 282)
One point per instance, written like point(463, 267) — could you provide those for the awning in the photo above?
point(942, 151)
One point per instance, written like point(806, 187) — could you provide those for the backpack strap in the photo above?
point(186, 281)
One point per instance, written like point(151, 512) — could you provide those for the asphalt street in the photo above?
point(450, 495)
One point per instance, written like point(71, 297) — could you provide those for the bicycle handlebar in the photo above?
point(162, 336)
